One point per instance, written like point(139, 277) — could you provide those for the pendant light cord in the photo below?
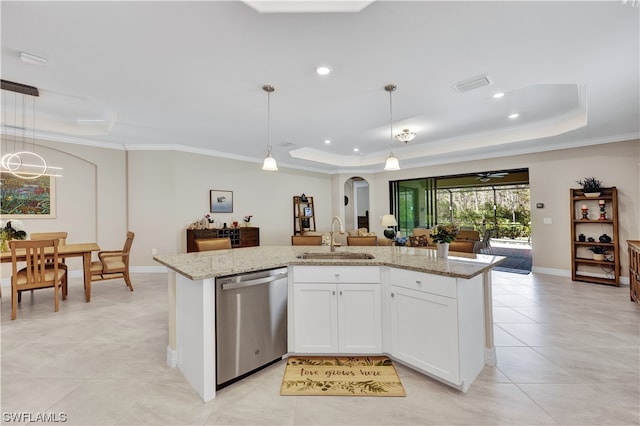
point(269, 122)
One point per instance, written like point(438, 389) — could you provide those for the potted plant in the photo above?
point(12, 230)
point(591, 186)
point(443, 234)
point(598, 252)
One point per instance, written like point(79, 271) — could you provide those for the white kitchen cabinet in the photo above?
point(437, 325)
point(335, 310)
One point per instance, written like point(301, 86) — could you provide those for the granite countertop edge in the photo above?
point(219, 263)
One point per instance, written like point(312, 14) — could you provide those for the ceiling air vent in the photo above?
point(474, 83)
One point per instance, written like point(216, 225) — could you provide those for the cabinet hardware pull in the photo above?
point(418, 282)
point(393, 295)
point(340, 292)
point(333, 292)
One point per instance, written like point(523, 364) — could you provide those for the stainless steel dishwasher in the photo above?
point(251, 323)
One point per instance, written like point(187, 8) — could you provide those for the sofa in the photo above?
point(466, 241)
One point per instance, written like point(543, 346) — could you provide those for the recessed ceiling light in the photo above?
point(498, 95)
point(515, 115)
point(356, 149)
point(327, 141)
point(324, 70)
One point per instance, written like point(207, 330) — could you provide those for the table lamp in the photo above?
point(389, 221)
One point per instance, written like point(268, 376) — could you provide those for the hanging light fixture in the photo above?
point(406, 136)
point(22, 163)
point(269, 162)
point(392, 161)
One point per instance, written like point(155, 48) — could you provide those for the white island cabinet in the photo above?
point(437, 325)
point(438, 321)
point(335, 309)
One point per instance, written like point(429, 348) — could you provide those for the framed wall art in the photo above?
point(221, 201)
point(27, 198)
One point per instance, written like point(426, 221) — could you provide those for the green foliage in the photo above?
point(590, 184)
point(444, 233)
point(475, 207)
point(597, 249)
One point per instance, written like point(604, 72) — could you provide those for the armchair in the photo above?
point(113, 263)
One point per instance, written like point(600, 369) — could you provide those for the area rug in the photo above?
point(341, 376)
point(518, 260)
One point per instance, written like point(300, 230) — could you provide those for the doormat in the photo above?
point(341, 376)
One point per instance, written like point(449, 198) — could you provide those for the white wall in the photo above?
point(156, 194)
point(169, 190)
point(90, 197)
point(551, 174)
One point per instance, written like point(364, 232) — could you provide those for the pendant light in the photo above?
point(22, 163)
point(392, 161)
point(269, 163)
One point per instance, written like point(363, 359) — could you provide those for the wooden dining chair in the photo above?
point(38, 273)
point(370, 240)
point(207, 244)
point(306, 240)
point(113, 264)
point(62, 240)
point(60, 236)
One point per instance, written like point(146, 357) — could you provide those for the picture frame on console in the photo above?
point(221, 201)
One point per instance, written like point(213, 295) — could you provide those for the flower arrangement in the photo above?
point(442, 233)
point(13, 230)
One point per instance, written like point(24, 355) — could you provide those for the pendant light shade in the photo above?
point(269, 163)
point(392, 163)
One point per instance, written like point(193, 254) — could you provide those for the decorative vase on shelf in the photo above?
point(443, 250)
point(592, 194)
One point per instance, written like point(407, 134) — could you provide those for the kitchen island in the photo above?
point(191, 296)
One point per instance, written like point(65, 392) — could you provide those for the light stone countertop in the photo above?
point(219, 263)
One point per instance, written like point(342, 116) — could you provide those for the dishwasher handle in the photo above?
point(250, 283)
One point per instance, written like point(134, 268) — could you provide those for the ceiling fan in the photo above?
point(487, 176)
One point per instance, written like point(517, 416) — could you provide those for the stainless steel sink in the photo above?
point(341, 255)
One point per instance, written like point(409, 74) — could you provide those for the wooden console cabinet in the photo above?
point(240, 237)
point(634, 270)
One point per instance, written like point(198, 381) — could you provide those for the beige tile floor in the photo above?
point(568, 354)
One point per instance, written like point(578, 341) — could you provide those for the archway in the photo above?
point(356, 203)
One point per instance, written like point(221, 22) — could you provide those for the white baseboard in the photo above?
point(172, 357)
point(567, 273)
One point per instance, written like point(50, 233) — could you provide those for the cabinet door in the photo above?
point(315, 316)
point(424, 332)
point(359, 318)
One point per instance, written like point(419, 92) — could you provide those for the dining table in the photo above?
point(83, 250)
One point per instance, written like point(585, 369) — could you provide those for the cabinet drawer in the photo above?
point(336, 274)
point(427, 283)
